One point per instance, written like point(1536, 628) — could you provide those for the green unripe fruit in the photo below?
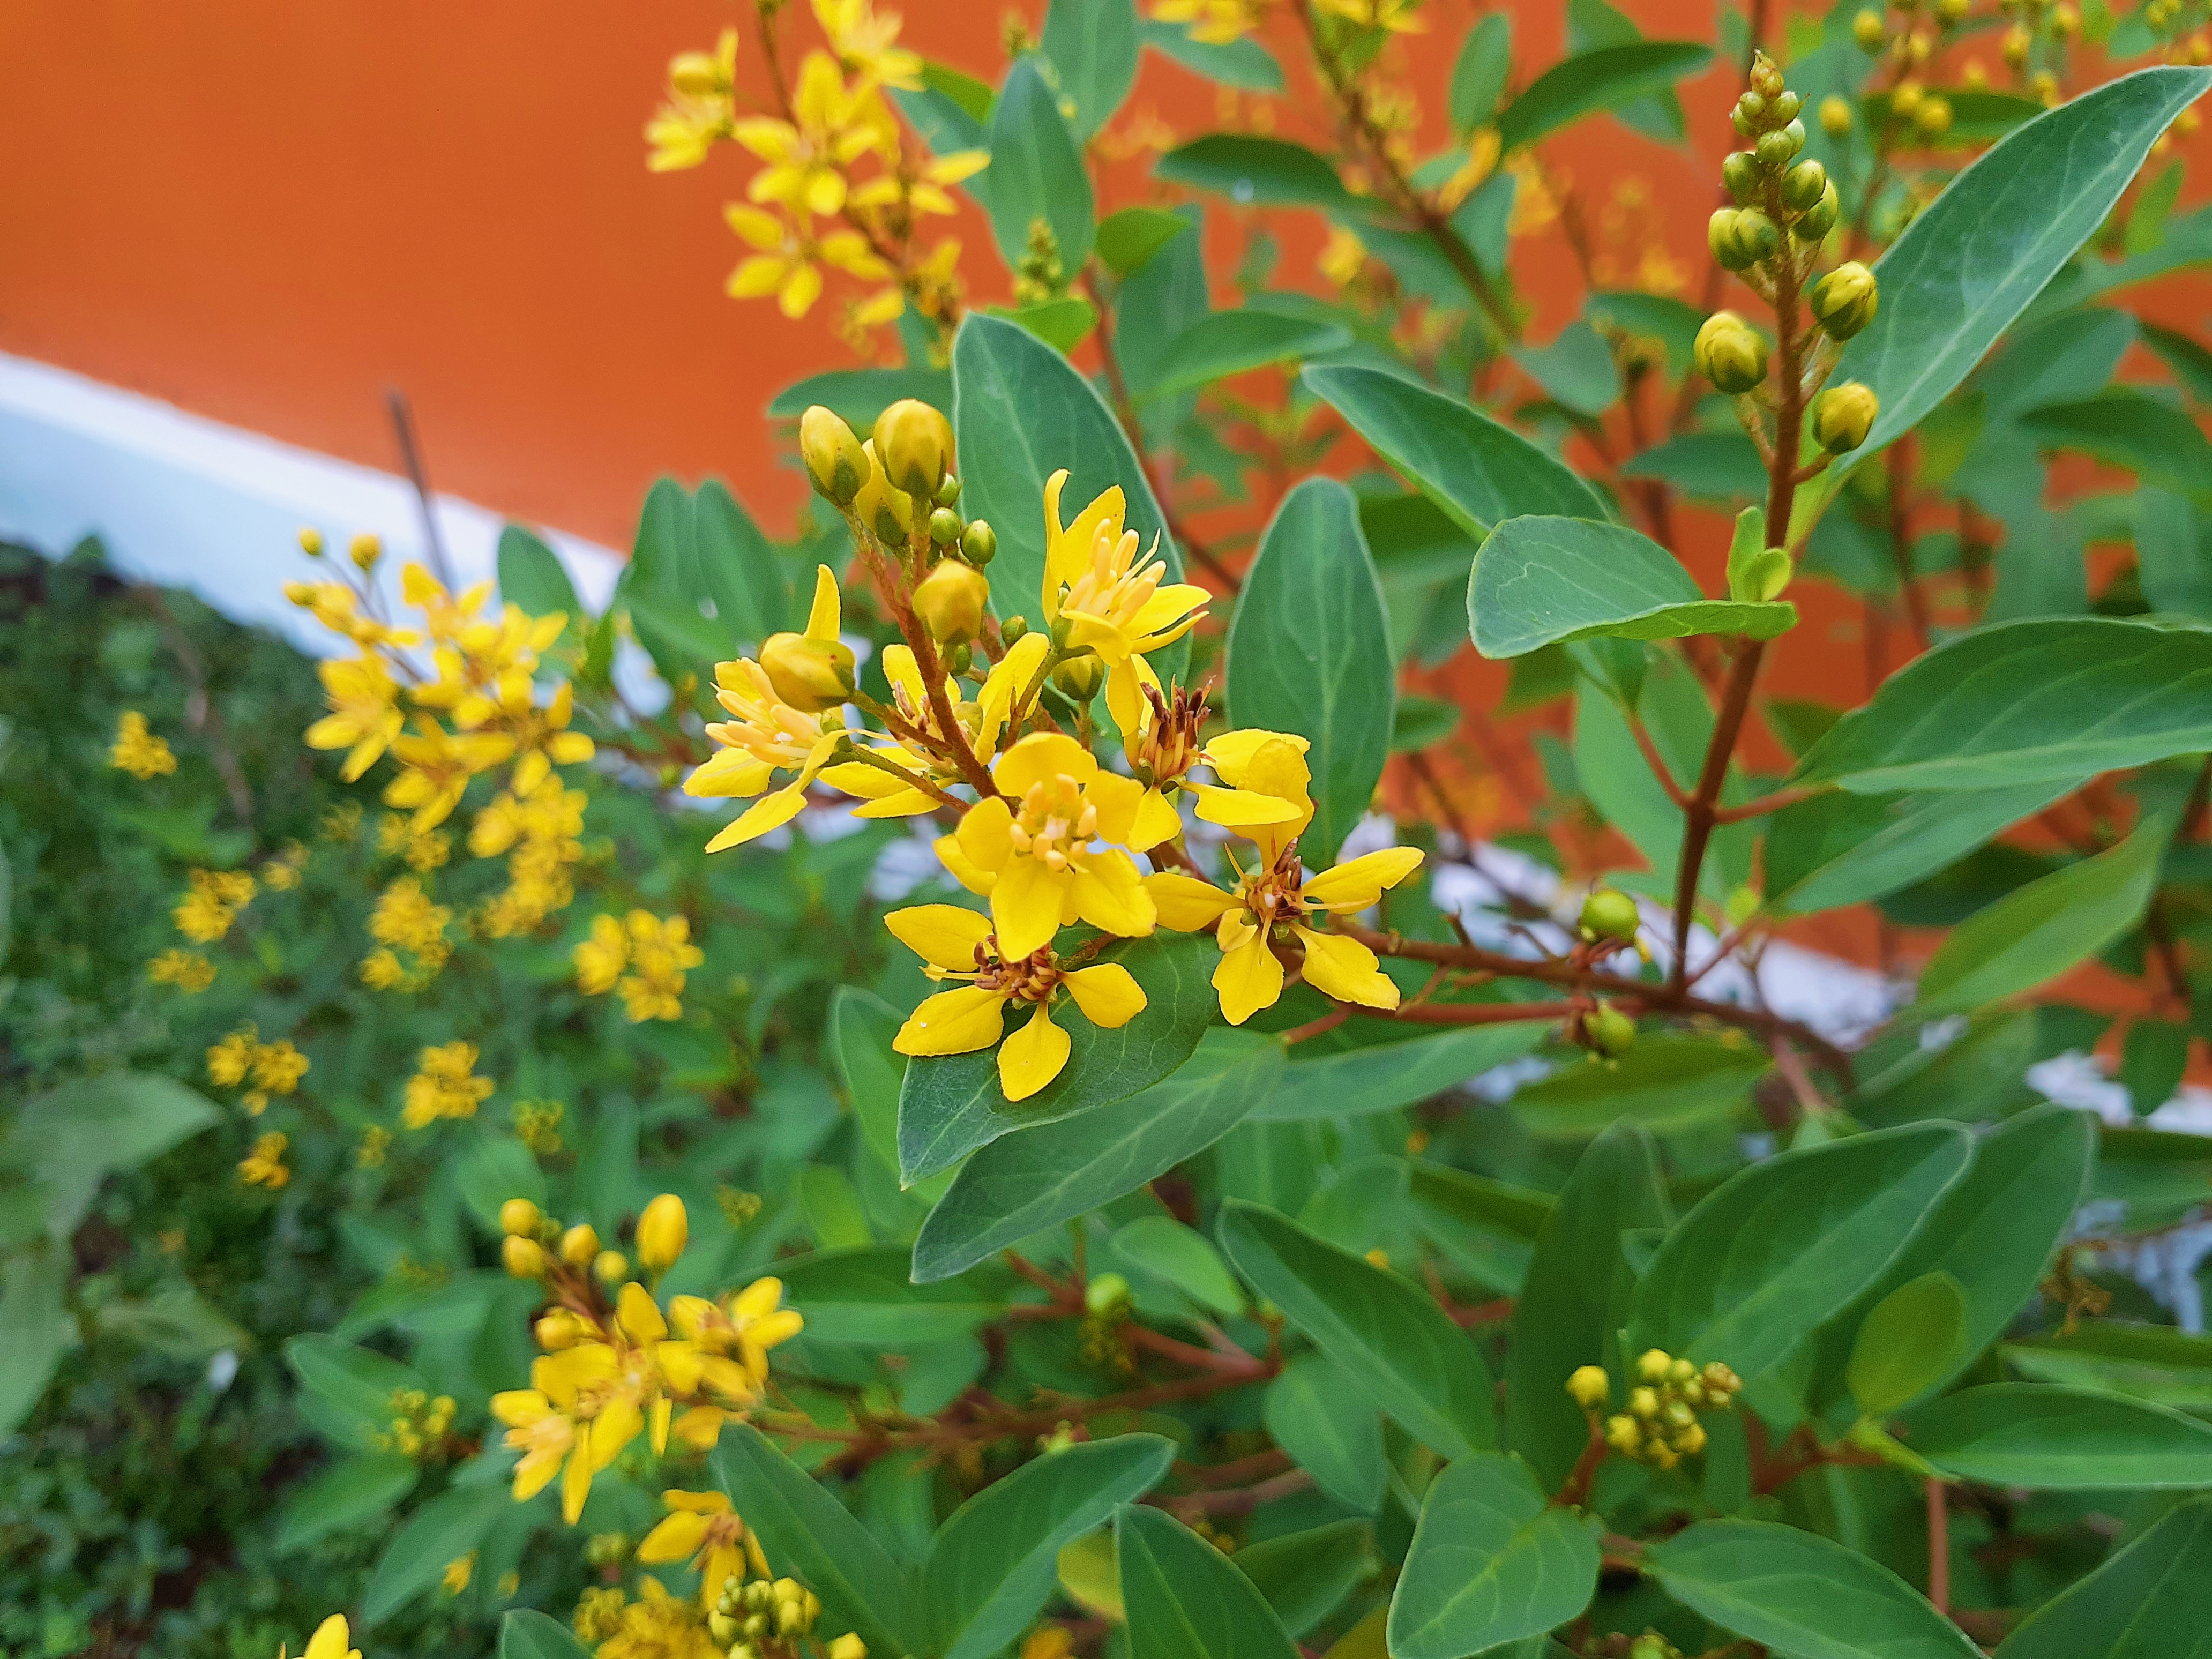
point(1610, 1032)
point(1106, 1295)
point(979, 545)
point(836, 466)
point(1013, 629)
point(944, 526)
point(1739, 172)
point(1078, 678)
point(1843, 416)
point(1608, 912)
point(1730, 353)
point(1804, 185)
point(949, 491)
point(914, 443)
point(1817, 220)
point(1844, 302)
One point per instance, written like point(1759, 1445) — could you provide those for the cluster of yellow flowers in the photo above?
point(274, 1068)
point(822, 129)
point(613, 1369)
point(212, 903)
point(446, 1085)
point(405, 919)
point(641, 956)
point(541, 835)
point(188, 970)
point(537, 1125)
point(1224, 23)
point(264, 1165)
point(1045, 834)
point(1661, 1425)
point(138, 751)
point(418, 1425)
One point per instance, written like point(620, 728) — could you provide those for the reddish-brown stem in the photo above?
point(1312, 1028)
point(1474, 1013)
point(1652, 759)
point(1939, 1546)
point(1574, 1492)
point(1197, 1359)
point(1766, 804)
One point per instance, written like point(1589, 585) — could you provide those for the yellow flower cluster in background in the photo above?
point(642, 957)
point(138, 751)
point(446, 1085)
point(264, 1165)
point(274, 1068)
point(212, 902)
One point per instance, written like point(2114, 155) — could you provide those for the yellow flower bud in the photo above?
point(1952, 13)
point(1107, 1294)
point(1730, 353)
point(1681, 1372)
point(950, 600)
point(2016, 42)
point(1933, 117)
point(1835, 115)
point(1079, 677)
point(365, 551)
point(1644, 1402)
point(913, 442)
point(311, 541)
point(611, 1267)
point(1867, 29)
point(525, 1258)
point(1623, 1434)
point(1843, 416)
point(1690, 1441)
point(836, 462)
point(1720, 1380)
point(662, 1232)
point(518, 1217)
point(1844, 301)
point(810, 675)
point(560, 1327)
point(580, 1244)
point(1653, 1365)
point(886, 514)
point(1804, 185)
point(1661, 1455)
point(2065, 21)
point(1590, 1388)
point(848, 1646)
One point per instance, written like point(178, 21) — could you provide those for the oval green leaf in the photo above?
point(1593, 81)
point(1231, 342)
point(1331, 1428)
point(1183, 1597)
point(1491, 1562)
point(1908, 1342)
point(1036, 171)
point(2146, 1602)
point(2033, 1434)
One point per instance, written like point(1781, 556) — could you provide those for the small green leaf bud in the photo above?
point(1843, 416)
point(950, 599)
point(1933, 117)
point(1106, 1295)
point(1817, 220)
point(1013, 629)
point(836, 464)
point(1730, 353)
point(913, 441)
point(1867, 29)
point(1836, 115)
point(1608, 912)
point(949, 491)
point(979, 544)
point(1078, 678)
point(1845, 300)
point(1610, 1032)
point(1804, 185)
point(1739, 172)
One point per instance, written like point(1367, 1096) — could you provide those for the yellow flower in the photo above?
point(375, 1141)
point(278, 1066)
point(228, 1060)
point(205, 913)
point(701, 1528)
point(922, 190)
point(658, 1625)
point(700, 108)
point(458, 1571)
point(957, 944)
point(833, 127)
point(364, 715)
point(264, 1165)
point(657, 952)
point(138, 751)
point(1008, 692)
point(445, 1087)
point(789, 258)
point(1479, 163)
point(435, 767)
point(331, 1640)
point(1031, 847)
point(867, 44)
point(1396, 16)
point(1274, 900)
point(601, 958)
point(1342, 257)
point(188, 970)
point(1112, 601)
point(1215, 22)
point(1165, 750)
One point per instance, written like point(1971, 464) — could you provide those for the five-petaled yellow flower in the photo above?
point(701, 1528)
point(789, 259)
point(1162, 754)
point(1033, 847)
point(1274, 900)
point(833, 127)
point(1111, 598)
point(956, 944)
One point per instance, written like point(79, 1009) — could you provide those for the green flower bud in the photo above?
point(913, 442)
point(950, 599)
point(836, 464)
point(1836, 115)
point(1804, 185)
point(1608, 912)
point(1765, 79)
point(1751, 238)
point(980, 544)
point(1107, 1294)
point(1078, 678)
point(810, 674)
point(949, 491)
point(1611, 1033)
point(1745, 126)
point(1753, 108)
point(959, 659)
point(1739, 172)
point(1843, 416)
point(1868, 30)
point(1730, 353)
point(1817, 220)
point(944, 526)
point(1845, 300)
point(1775, 148)
point(1013, 629)
point(1784, 108)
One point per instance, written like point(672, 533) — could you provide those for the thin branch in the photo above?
point(201, 708)
point(410, 457)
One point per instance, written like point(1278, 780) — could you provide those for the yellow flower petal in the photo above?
point(769, 812)
point(1040, 757)
point(677, 1538)
point(943, 934)
point(1345, 969)
point(1242, 809)
point(1184, 903)
point(825, 615)
point(954, 1021)
point(1033, 1056)
point(576, 1480)
point(799, 291)
point(963, 869)
point(1359, 883)
point(1117, 799)
point(1232, 753)
point(1156, 822)
point(639, 1315)
point(982, 834)
point(1025, 905)
point(1109, 994)
point(1109, 894)
point(332, 1640)
point(759, 275)
point(1247, 978)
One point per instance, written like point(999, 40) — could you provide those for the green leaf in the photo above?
point(176, 1320)
point(1061, 323)
point(1421, 722)
point(1184, 1598)
point(1306, 1576)
point(1127, 240)
point(1244, 64)
point(1802, 1596)
point(1021, 412)
point(1478, 472)
point(1984, 249)
point(1598, 80)
point(950, 1104)
point(2036, 932)
point(1380, 1077)
point(526, 1633)
point(1036, 172)
point(991, 1565)
point(2023, 702)
point(742, 573)
point(1576, 370)
point(1231, 342)
point(1778, 1248)
point(2146, 1601)
point(1092, 45)
point(1330, 1427)
point(1309, 653)
point(2161, 445)
point(2036, 1434)
point(1541, 581)
point(972, 97)
point(808, 1533)
point(1486, 59)
point(354, 1494)
point(1256, 171)
point(1384, 1332)
point(862, 1027)
point(1664, 1083)
point(1908, 1342)
point(1184, 1257)
point(354, 1384)
point(69, 1138)
point(1041, 1177)
point(1573, 1301)
point(1839, 848)
point(2145, 1362)
point(531, 575)
point(863, 1295)
point(1721, 467)
point(496, 1168)
point(34, 1312)
point(857, 396)
point(441, 1532)
point(1491, 1562)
